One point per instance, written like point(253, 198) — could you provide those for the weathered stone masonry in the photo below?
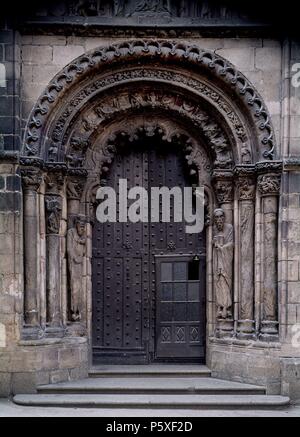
point(60, 129)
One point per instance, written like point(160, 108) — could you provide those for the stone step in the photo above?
point(191, 402)
point(151, 385)
point(143, 371)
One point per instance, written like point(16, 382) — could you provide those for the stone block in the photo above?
point(68, 358)
point(294, 292)
point(42, 378)
point(233, 43)
point(23, 382)
point(242, 59)
point(268, 58)
point(5, 384)
point(39, 55)
point(295, 126)
point(13, 183)
point(59, 376)
point(47, 40)
point(293, 270)
point(62, 55)
point(43, 75)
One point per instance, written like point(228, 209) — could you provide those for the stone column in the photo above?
point(269, 187)
point(246, 196)
point(31, 180)
point(53, 208)
point(223, 183)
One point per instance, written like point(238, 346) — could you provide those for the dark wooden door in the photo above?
point(140, 314)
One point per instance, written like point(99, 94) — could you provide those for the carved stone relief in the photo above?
point(223, 264)
point(216, 65)
point(76, 249)
point(53, 209)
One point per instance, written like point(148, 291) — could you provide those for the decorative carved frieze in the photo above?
point(263, 167)
point(183, 13)
point(113, 106)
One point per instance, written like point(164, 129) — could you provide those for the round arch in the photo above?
point(188, 95)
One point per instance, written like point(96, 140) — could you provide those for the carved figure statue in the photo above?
point(76, 249)
point(222, 264)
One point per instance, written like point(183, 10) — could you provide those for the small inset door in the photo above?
point(180, 315)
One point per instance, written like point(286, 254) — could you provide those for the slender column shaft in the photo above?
point(31, 182)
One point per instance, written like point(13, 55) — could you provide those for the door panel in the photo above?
point(146, 309)
point(180, 322)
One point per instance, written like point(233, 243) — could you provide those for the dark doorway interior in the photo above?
point(148, 278)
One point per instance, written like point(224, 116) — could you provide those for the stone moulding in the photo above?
point(164, 51)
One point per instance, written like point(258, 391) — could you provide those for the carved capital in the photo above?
point(76, 152)
point(223, 183)
point(246, 188)
point(53, 206)
point(55, 180)
point(75, 186)
point(269, 184)
point(31, 178)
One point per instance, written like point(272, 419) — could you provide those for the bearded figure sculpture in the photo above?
point(223, 264)
point(76, 248)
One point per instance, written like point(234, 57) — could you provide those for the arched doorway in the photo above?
point(196, 98)
point(148, 277)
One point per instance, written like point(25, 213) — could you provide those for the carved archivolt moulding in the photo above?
point(185, 57)
point(196, 157)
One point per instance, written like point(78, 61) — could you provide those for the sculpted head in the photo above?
point(80, 225)
point(219, 219)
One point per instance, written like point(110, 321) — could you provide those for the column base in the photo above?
point(224, 328)
point(246, 329)
point(32, 332)
point(269, 331)
point(54, 332)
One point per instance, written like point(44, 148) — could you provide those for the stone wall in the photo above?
point(31, 61)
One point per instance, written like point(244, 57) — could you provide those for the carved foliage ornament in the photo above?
point(137, 50)
point(196, 157)
point(113, 105)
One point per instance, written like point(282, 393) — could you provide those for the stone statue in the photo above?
point(222, 264)
point(76, 248)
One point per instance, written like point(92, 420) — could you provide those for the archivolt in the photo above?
point(210, 66)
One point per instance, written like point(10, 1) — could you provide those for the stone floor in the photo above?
point(9, 409)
